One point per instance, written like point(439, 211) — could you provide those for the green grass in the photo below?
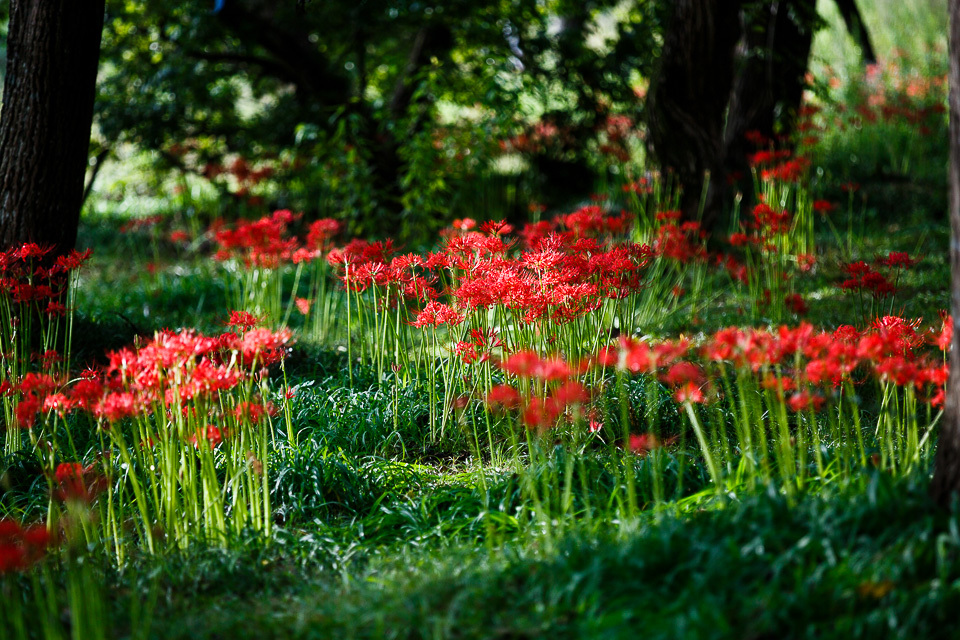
point(876, 560)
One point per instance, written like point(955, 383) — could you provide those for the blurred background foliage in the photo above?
point(396, 117)
point(379, 112)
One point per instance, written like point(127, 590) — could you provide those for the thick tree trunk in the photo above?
point(946, 476)
point(53, 52)
point(770, 83)
point(690, 91)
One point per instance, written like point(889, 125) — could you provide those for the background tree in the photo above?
point(52, 54)
point(946, 477)
point(352, 106)
point(690, 91)
point(704, 102)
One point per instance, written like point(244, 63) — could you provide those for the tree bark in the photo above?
point(769, 86)
point(48, 94)
point(689, 94)
point(946, 475)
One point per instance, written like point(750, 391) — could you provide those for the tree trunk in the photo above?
point(856, 27)
point(946, 475)
point(48, 94)
point(769, 86)
point(690, 91)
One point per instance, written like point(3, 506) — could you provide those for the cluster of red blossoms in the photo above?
point(78, 483)
point(863, 277)
point(779, 165)
point(565, 271)
point(21, 547)
point(268, 242)
point(26, 275)
point(171, 372)
point(801, 365)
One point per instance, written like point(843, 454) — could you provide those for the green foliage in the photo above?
point(341, 108)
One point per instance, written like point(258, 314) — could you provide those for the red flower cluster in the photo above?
point(809, 365)
point(165, 374)
point(864, 278)
point(262, 243)
point(77, 483)
point(561, 276)
point(564, 396)
point(21, 547)
point(26, 275)
point(268, 242)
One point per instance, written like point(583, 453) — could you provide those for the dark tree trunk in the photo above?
point(53, 52)
point(770, 83)
point(689, 94)
point(855, 25)
point(946, 475)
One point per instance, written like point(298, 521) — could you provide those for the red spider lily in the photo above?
point(116, 406)
point(263, 346)
point(739, 239)
point(689, 392)
point(553, 369)
point(523, 364)
point(261, 243)
point(503, 396)
point(944, 339)
point(806, 261)
point(823, 206)
point(21, 547)
point(669, 351)
point(31, 250)
point(644, 443)
point(682, 373)
point(789, 171)
point(27, 410)
point(320, 232)
point(541, 413)
point(213, 435)
point(48, 359)
point(638, 356)
point(179, 236)
point(251, 412)
point(570, 393)
point(303, 305)
point(796, 304)
point(804, 400)
point(57, 402)
point(76, 483)
point(778, 384)
point(756, 138)
point(768, 157)
point(767, 220)
point(243, 320)
point(55, 308)
point(40, 383)
point(591, 220)
point(594, 425)
point(897, 260)
point(496, 227)
point(681, 243)
point(73, 260)
point(435, 314)
point(866, 279)
point(641, 186)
